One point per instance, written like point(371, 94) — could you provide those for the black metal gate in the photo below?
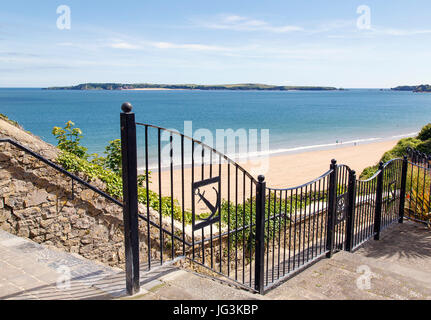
point(197, 204)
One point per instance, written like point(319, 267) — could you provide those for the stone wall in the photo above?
point(37, 202)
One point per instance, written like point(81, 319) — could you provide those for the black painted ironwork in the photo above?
point(350, 211)
point(417, 200)
point(214, 210)
point(211, 211)
point(257, 236)
point(341, 208)
point(130, 198)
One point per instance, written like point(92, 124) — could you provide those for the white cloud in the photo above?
point(240, 23)
point(191, 46)
point(123, 45)
point(399, 32)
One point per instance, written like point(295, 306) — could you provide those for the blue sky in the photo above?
point(282, 42)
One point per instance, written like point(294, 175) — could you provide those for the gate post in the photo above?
point(403, 190)
point(350, 223)
point(130, 197)
point(332, 208)
point(379, 196)
point(259, 271)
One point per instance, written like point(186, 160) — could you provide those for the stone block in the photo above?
point(87, 195)
point(4, 214)
point(46, 223)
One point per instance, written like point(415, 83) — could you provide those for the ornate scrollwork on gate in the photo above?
point(213, 208)
point(392, 194)
point(341, 210)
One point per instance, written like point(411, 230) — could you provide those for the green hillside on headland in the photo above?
point(242, 86)
point(420, 88)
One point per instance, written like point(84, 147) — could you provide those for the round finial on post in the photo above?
point(333, 161)
point(353, 172)
point(127, 107)
point(261, 178)
point(381, 165)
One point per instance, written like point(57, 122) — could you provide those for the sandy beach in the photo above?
point(283, 171)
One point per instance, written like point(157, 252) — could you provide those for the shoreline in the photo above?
point(283, 171)
point(293, 151)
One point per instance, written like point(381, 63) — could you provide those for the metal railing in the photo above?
point(56, 167)
point(205, 207)
point(250, 234)
point(418, 190)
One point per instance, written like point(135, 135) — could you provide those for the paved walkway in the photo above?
point(32, 271)
point(396, 267)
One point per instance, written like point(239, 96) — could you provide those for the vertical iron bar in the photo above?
point(243, 227)
point(294, 229)
point(193, 202)
point(159, 159)
point(290, 227)
point(379, 195)
point(267, 230)
point(228, 219)
point(171, 156)
point(236, 222)
point(219, 213)
point(284, 238)
point(331, 211)
point(130, 197)
point(250, 242)
point(202, 178)
point(183, 195)
point(350, 225)
point(147, 199)
point(259, 269)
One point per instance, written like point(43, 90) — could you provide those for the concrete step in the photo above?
point(396, 267)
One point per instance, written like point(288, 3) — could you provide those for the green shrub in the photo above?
point(69, 140)
point(113, 156)
point(398, 151)
point(424, 147)
point(425, 133)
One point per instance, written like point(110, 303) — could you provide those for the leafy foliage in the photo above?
point(69, 140)
point(113, 156)
point(74, 158)
point(422, 143)
point(425, 133)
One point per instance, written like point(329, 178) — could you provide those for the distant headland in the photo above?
point(420, 88)
point(149, 86)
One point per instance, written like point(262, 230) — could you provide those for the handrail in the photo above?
point(60, 169)
point(327, 173)
point(390, 161)
point(378, 171)
point(74, 177)
point(419, 166)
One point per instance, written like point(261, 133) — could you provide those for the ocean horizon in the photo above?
point(297, 120)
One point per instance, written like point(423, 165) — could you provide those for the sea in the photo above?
point(296, 120)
